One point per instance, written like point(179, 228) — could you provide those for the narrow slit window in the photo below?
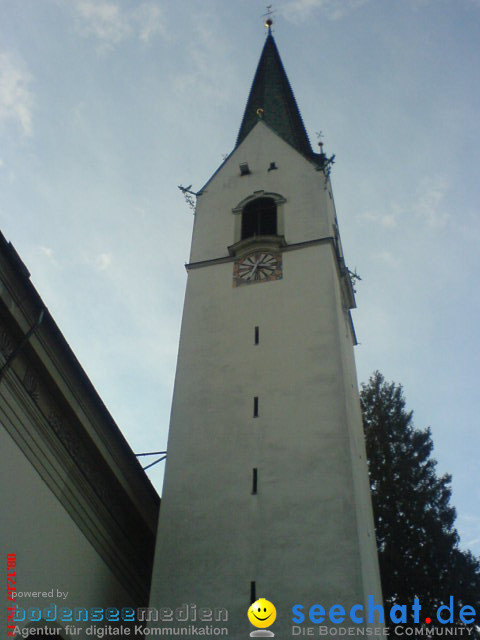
point(255, 407)
point(254, 481)
point(253, 592)
point(257, 335)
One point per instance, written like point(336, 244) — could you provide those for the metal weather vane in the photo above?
point(354, 278)
point(189, 195)
point(268, 18)
point(325, 162)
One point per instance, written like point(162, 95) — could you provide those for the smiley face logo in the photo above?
point(262, 613)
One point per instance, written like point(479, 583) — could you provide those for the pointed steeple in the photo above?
point(271, 99)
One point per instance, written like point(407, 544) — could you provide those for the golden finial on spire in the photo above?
point(268, 18)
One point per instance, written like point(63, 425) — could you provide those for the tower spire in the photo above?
point(271, 98)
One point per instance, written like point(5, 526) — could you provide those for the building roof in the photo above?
point(271, 92)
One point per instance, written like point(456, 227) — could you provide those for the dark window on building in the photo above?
point(254, 481)
point(257, 335)
point(259, 218)
point(253, 592)
point(255, 407)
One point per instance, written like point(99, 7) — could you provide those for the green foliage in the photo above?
point(414, 521)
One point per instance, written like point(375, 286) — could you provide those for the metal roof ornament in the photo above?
point(268, 19)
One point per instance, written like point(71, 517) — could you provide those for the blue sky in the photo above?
point(106, 106)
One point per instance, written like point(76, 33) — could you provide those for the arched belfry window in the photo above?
point(259, 218)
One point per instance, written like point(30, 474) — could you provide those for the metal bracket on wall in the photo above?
point(163, 455)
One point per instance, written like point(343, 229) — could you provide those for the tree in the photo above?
point(414, 522)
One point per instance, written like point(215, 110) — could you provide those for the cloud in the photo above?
point(150, 21)
point(103, 20)
point(387, 220)
point(103, 261)
point(210, 67)
point(300, 10)
point(98, 261)
point(15, 95)
point(48, 253)
point(388, 258)
point(110, 25)
point(429, 205)
point(140, 211)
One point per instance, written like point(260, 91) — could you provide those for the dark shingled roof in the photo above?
point(271, 92)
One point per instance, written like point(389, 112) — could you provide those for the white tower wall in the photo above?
point(307, 535)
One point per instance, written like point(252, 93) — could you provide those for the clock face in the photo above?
point(261, 266)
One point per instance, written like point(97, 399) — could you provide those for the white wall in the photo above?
point(307, 537)
point(52, 552)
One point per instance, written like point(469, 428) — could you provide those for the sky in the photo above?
point(106, 106)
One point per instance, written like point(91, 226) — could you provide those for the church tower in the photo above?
point(266, 489)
